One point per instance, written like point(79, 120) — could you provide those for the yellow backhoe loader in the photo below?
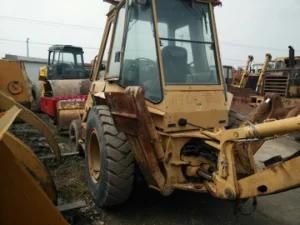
point(160, 103)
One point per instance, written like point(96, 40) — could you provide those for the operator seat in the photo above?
point(175, 63)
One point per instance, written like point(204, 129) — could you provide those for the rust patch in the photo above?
point(132, 117)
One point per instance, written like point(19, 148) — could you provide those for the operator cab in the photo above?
point(177, 50)
point(170, 48)
point(66, 62)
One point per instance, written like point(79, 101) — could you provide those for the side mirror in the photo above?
point(43, 73)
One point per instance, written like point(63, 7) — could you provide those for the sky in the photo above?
point(245, 28)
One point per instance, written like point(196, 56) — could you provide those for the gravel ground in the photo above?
point(68, 176)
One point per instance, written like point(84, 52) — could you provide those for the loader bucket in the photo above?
point(26, 115)
point(27, 191)
point(241, 102)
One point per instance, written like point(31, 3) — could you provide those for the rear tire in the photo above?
point(109, 160)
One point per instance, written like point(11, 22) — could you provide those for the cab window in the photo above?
point(187, 46)
point(115, 57)
point(140, 64)
point(105, 56)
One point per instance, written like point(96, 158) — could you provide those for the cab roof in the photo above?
point(66, 48)
point(214, 2)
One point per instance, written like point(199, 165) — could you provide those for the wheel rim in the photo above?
point(94, 157)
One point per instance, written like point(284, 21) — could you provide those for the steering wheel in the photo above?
point(191, 63)
point(146, 61)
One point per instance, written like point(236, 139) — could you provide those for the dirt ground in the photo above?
point(147, 207)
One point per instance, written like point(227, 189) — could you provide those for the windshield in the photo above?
point(140, 65)
point(67, 57)
point(186, 42)
point(66, 65)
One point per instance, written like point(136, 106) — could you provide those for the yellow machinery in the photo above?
point(245, 74)
point(14, 81)
point(27, 191)
point(277, 77)
point(283, 79)
point(262, 73)
point(257, 76)
point(158, 101)
point(248, 94)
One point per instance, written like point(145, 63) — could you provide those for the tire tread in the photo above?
point(119, 161)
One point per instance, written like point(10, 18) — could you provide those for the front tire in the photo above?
point(74, 136)
point(109, 160)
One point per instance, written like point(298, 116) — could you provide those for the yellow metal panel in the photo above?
point(14, 81)
point(278, 178)
point(7, 119)
point(23, 202)
point(29, 160)
point(7, 102)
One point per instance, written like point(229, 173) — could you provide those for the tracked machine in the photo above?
point(159, 105)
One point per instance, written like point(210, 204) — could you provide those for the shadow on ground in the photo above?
point(147, 207)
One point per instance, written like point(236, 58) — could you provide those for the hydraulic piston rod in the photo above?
point(263, 130)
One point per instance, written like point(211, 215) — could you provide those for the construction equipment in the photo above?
point(277, 77)
point(262, 73)
point(242, 82)
point(246, 94)
point(64, 84)
point(251, 75)
point(26, 186)
point(280, 77)
point(26, 115)
point(14, 81)
point(160, 103)
point(283, 78)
